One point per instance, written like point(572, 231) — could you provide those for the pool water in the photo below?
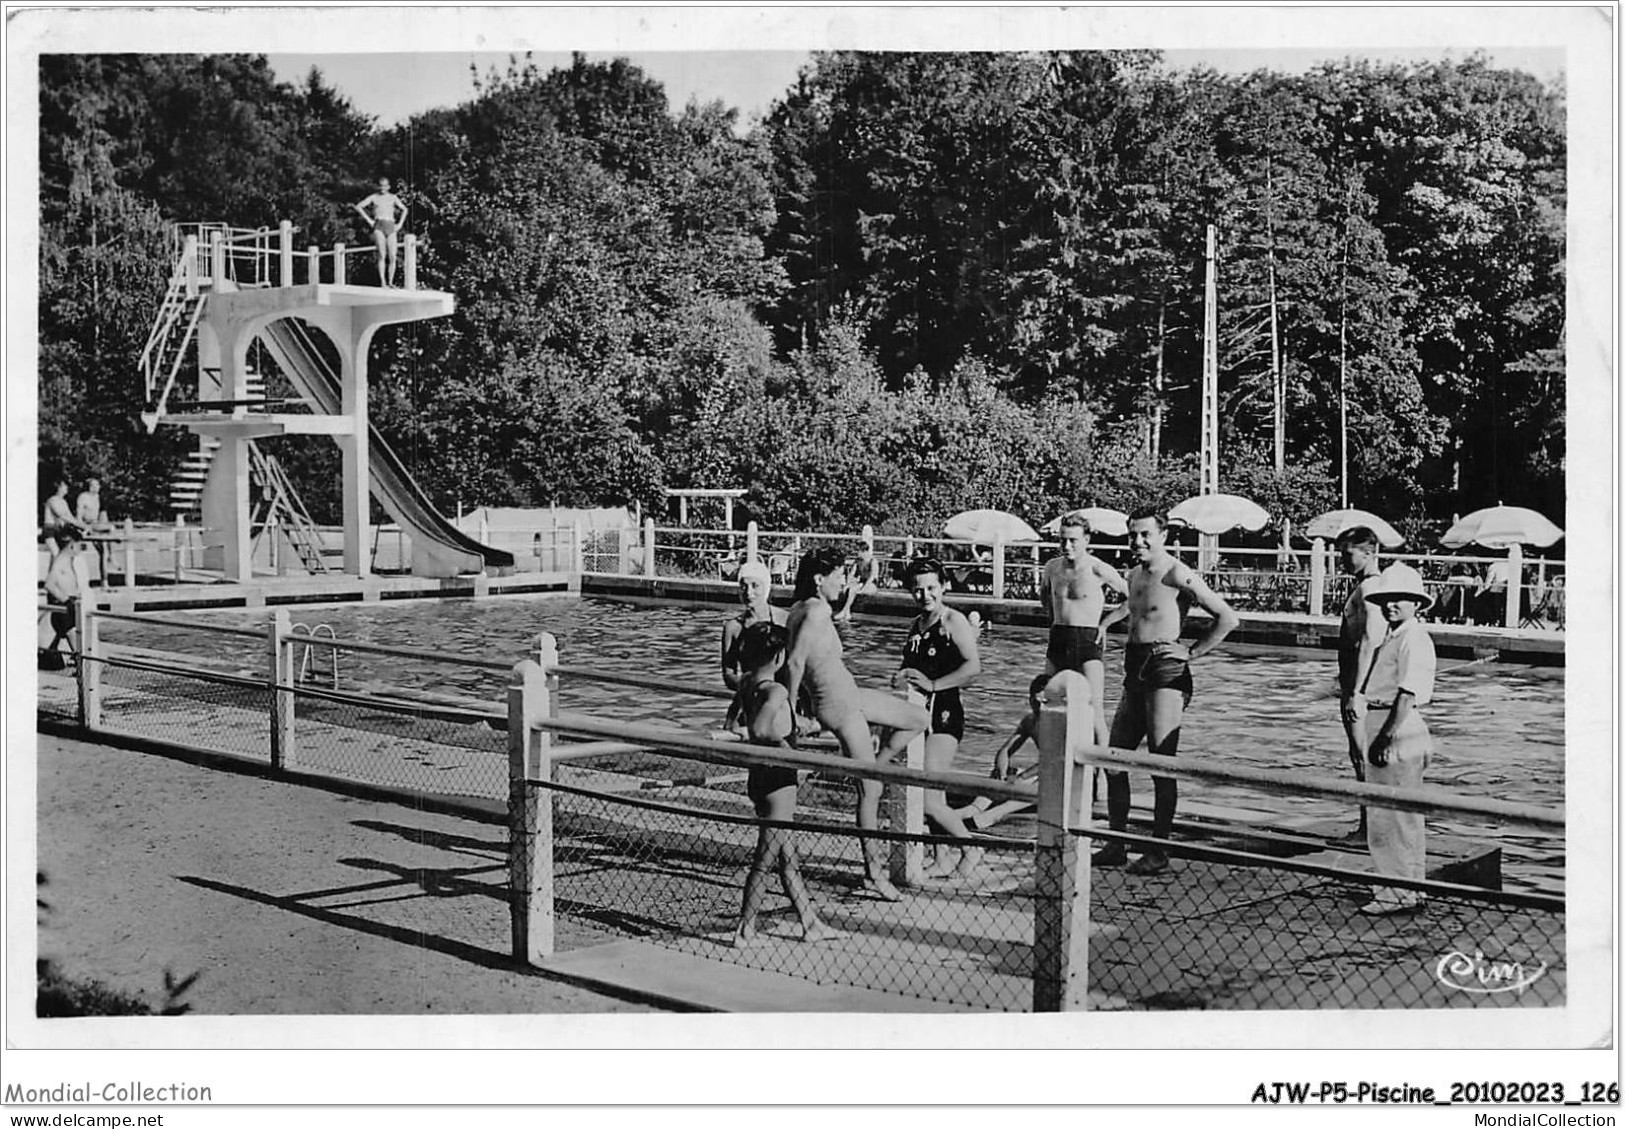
point(1498, 729)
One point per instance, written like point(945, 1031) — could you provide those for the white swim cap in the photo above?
point(754, 570)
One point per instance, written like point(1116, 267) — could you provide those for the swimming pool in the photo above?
point(1499, 729)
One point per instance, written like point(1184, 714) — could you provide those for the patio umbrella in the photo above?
point(1111, 523)
point(1498, 527)
point(1220, 513)
point(983, 527)
point(1331, 524)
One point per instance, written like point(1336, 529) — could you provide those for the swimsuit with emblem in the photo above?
point(933, 653)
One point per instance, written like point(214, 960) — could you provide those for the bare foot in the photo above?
point(881, 887)
point(970, 864)
point(820, 931)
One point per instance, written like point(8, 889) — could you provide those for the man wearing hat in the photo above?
point(1400, 746)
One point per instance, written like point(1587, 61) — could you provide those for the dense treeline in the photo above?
point(923, 282)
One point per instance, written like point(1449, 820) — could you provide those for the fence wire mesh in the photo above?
point(420, 748)
point(208, 710)
point(669, 868)
point(1227, 930)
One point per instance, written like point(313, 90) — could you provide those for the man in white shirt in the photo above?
point(1400, 746)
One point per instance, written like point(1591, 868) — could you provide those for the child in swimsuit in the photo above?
point(941, 655)
point(763, 707)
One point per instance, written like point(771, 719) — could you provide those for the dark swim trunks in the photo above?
point(947, 714)
point(1149, 666)
point(1071, 646)
point(67, 619)
point(765, 779)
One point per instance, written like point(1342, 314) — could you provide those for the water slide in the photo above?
point(439, 548)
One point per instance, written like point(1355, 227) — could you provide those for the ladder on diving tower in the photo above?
point(279, 500)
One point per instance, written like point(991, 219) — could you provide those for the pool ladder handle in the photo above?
point(307, 672)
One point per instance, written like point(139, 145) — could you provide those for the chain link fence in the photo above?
point(670, 871)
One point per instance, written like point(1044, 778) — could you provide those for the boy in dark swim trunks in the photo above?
point(1156, 676)
point(763, 707)
point(1074, 591)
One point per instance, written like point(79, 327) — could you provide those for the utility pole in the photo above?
point(1210, 370)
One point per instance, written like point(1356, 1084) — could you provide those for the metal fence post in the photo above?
point(906, 805)
point(530, 802)
point(649, 547)
point(1061, 894)
point(1317, 576)
point(90, 665)
point(277, 633)
point(998, 566)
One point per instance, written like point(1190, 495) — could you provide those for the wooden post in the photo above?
point(906, 805)
point(1061, 895)
point(649, 547)
point(530, 803)
point(285, 246)
point(90, 664)
point(998, 566)
point(180, 532)
point(578, 552)
point(1514, 583)
point(277, 633)
point(338, 264)
point(1317, 576)
point(189, 269)
point(752, 541)
point(411, 257)
point(129, 552)
point(314, 258)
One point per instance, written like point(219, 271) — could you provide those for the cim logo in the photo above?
point(1485, 977)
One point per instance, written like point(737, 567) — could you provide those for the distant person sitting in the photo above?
point(65, 582)
point(386, 217)
point(1490, 600)
point(865, 581)
point(58, 522)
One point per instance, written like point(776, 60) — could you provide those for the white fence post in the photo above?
point(752, 541)
point(129, 552)
point(998, 566)
point(578, 553)
point(217, 261)
point(338, 264)
point(1514, 583)
point(281, 656)
point(411, 264)
point(1317, 576)
point(649, 547)
point(189, 268)
point(1061, 895)
point(314, 258)
point(90, 665)
point(530, 802)
point(906, 803)
point(285, 247)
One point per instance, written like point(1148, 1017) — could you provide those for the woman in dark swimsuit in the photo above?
point(940, 656)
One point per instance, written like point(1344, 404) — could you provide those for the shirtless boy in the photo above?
point(387, 215)
point(1074, 590)
point(764, 710)
point(814, 663)
point(1358, 637)
point(1156, 676)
